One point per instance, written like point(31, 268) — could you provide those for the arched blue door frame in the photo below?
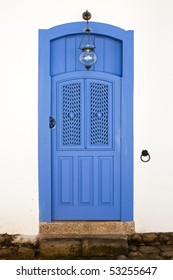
point(44, 111)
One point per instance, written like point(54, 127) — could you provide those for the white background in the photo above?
point(152, 22)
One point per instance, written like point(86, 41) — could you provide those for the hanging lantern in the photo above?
point(87, 45)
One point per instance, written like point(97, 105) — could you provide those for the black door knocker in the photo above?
point(145, 156)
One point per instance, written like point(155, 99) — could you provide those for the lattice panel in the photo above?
point(71, 114)
point(99, 127)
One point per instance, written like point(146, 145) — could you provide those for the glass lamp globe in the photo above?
point(88, 57)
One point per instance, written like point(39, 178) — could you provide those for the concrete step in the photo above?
point(82, 246)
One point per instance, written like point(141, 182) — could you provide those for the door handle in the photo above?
point(52, 122)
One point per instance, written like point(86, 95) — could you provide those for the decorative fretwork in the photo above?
point(99, 98)
point(71, 114)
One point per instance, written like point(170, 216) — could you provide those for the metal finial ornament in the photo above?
point(87, 44)
point(86, 15)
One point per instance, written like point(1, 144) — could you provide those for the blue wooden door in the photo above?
point(86, 160)
point(86, 148)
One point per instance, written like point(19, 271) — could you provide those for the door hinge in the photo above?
point(52, 122)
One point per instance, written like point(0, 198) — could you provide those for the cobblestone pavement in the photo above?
point(148, 246)
point(151, 246)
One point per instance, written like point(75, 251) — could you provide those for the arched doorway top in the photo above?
point(113, 45)
point(103, 29)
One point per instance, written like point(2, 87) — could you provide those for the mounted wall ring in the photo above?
point(145, 156)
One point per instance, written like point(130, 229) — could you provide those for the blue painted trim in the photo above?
point(44, 143)
point(127, 130)
point(44, 110)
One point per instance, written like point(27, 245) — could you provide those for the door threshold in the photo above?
point(87, 227)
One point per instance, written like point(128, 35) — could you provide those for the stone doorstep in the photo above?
point(70, 246)
point(71, 239)
point(87, 227)
point(109, 246)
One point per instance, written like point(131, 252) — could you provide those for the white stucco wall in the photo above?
point(152, 23)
